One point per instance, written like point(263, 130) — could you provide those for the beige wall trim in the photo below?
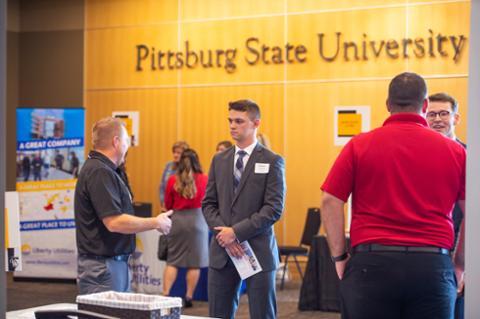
point(233, 84)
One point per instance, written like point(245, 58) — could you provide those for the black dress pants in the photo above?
point(398, 285)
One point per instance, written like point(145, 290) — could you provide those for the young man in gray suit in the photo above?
point(244, 198)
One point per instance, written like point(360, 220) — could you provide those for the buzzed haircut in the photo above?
point(406, 92)
point(444, 97)
point(248, 106)
point(104, 130)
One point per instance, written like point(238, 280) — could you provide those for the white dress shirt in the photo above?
point(249, 149)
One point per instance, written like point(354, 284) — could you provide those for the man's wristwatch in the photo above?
point(342, 257)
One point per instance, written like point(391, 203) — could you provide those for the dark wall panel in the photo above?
point(51, 69)
point(3, 120)
point(12, 103)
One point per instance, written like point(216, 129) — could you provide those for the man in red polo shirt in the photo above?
point(404, 179)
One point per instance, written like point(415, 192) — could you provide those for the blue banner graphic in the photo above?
point(47, 224)
point(49, 144)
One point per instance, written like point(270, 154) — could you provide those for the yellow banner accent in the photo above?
point(46, 185)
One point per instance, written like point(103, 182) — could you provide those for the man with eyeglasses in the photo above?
point(442, 116)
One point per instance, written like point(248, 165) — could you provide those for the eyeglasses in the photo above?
point(444, 115)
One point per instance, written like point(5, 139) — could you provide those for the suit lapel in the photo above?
point(248, 171)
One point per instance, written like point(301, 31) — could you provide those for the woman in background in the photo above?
point(223, 145)
point(188, 238)
point(170, 168)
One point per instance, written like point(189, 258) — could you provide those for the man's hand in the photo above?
point(164, 223)
point(235, 249)
point(459, 255)
point(340, 267)
point(460, 274)
point(225, 236)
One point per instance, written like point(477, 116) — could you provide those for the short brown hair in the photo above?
point(248, 106)
point(225, 144)
point(180, 144)
point(444, 97)
point(104, 130)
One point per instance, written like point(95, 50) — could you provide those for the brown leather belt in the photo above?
point(364, 248)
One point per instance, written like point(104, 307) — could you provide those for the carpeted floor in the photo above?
point(21, 294)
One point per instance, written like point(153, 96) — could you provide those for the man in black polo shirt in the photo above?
point(104, 216)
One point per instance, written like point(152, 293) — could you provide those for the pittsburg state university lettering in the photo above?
point(434, 45)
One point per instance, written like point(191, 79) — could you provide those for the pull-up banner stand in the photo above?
point(50, 152)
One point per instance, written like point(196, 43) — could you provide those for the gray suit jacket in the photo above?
point(252, 211)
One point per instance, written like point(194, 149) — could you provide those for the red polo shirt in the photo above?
point(405, 179)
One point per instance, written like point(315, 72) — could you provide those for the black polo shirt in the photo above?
point(100, 192)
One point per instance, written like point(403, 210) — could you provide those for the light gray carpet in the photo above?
point(22, 295)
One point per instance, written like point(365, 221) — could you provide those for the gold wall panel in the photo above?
point(121, 13)
point(306, 6)
point(208, 9)
point(319, 5)
point(433, 21)
point(111, 57)
point(232, 35)
point(297, 99)
point(360, 28)
point(158, 131)
point(310, 149)
point(429, 2)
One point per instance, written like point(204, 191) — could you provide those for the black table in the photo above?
point(320, 284)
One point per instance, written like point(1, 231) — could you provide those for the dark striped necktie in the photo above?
point(237, 172)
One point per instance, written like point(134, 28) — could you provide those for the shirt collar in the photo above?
point(99, 156)
point(249, 149)
point(411, 118)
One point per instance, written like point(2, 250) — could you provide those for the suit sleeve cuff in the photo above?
point(241, 230)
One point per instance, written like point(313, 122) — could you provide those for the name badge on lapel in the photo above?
point(262, 168)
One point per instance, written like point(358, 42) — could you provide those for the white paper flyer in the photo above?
point(248, 264)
